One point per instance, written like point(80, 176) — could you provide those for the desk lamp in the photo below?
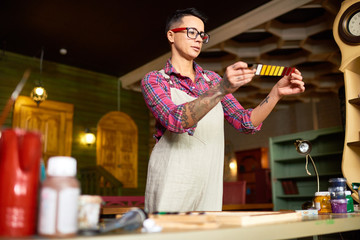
point(304, 148)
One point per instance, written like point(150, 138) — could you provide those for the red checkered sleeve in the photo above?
point(156, 92)
point(234, 113)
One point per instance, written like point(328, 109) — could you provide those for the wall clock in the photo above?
point(349, 25)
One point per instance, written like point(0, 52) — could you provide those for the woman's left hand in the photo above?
point(292, 84)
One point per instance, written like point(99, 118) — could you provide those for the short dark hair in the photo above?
point(179, 14)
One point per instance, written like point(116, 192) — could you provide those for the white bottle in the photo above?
point(59, 199)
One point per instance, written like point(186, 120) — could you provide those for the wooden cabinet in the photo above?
point(253, 167)
point(288, 166)
point(351, 157)
point(350, 66)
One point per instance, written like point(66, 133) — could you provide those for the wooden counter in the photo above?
point(306, 226)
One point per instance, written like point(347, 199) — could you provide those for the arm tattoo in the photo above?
point(225, 86)
point(184, 118)
point(266, 100)
point(194, 111)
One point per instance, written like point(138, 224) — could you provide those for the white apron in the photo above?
point(185, 172)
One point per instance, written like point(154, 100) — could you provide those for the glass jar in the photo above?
point(339, 205)
point(322, 202)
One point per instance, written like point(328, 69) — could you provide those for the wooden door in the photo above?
point(53, 119)
point(117, 147)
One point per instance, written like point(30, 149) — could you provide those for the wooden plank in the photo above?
point(224, 218)
point(114, 210)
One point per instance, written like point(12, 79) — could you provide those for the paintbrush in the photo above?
point(13, 97)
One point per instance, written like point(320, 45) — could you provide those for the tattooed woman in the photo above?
point(185, 171)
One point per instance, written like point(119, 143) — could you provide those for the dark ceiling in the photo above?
point(109, 36)
point(126, 39)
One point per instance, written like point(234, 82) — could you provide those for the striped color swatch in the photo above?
point(271, 70)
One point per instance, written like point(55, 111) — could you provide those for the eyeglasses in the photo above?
point(193, 33)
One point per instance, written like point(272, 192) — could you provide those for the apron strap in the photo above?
point(167, 77)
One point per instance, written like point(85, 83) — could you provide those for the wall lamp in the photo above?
point(89, 137)
point(38, 94)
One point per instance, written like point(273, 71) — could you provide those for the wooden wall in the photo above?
point(93, 95)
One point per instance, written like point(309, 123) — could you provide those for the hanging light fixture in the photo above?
point(39, 94)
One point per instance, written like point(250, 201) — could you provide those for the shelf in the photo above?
point(308, 135)
point(302, 157)
point(310, 176)
point(354, 144)
point(288, 165)
point(355, 101)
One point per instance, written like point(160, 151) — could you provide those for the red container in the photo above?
point(20, 153)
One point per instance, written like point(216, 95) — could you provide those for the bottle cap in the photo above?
point(322, 193)
point(61, 166)
point(337, 182)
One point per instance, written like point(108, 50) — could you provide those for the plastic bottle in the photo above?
point(59, 199)
point(20, 153)
point(350, 202)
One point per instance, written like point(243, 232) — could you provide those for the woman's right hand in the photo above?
point(235, 76)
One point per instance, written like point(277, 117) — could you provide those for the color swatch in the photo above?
point(272, 70)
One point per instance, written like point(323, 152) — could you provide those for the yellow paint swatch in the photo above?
point(272, 70)
point(280, 71)
point(263, 70)
point(276, 70)
point(268, 70)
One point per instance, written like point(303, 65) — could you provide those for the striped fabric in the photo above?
point(156, 92)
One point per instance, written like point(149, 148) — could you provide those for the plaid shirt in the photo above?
point(156, 92)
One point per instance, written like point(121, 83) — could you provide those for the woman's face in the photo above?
point(183, 45)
